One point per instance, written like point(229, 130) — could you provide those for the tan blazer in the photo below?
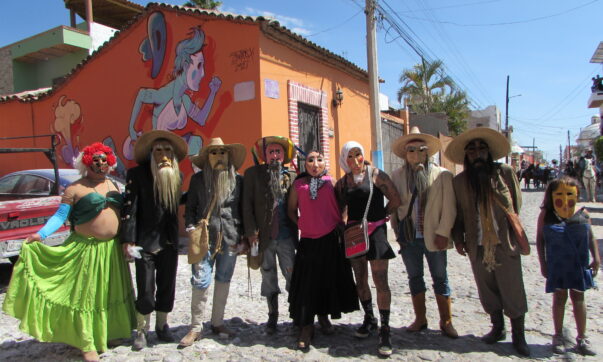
point(466, 227)
point(440, 208)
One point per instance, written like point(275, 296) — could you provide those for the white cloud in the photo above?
point(294, 24)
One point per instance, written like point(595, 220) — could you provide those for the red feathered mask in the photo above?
point(97, 147)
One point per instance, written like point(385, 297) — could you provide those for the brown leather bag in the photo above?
point(356, 239)
point(198, 239)
point(518, 232)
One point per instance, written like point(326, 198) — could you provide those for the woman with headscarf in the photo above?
point(353, 191)
point(322, 281)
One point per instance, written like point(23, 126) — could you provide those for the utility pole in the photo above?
point(533, 150)
point(507, 118)
point(569, 147)
point(560, 156)
point(373, 74)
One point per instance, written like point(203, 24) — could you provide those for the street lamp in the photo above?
point(507, 116)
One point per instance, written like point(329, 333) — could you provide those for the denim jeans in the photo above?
point(202, 271)
point(412, 255)
point(284, 249)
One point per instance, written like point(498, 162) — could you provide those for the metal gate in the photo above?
point(390, 132)
point(309, 125)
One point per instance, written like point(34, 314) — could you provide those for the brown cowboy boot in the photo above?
point(198, 301)
point(498, 332)
point(445, 308)
point(418, 304)
point(217, 313)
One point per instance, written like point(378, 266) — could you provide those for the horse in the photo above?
point(526, 174)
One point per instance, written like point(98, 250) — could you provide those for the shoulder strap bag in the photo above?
point(406, 227)
point(356, 236)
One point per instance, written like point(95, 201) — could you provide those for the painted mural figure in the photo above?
point(150, 221)
point(172, 106)
point(67, 124)
point(78, 293)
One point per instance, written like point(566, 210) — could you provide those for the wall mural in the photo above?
point(172, 103)
point(68, 125)
point(183, 101)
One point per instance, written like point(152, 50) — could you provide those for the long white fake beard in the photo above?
point(166, 185)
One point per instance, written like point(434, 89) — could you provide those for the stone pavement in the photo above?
point(246, 314)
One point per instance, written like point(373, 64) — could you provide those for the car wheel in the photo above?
point(13, 259)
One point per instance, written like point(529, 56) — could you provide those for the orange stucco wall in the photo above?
point(97, 101)
point(350, 121)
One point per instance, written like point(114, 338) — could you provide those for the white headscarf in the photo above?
point(345, 150)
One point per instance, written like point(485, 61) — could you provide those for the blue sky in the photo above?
point(544, 46)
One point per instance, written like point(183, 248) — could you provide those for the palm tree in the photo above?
point(203, 4)
point(456, 107)
point(423, 84)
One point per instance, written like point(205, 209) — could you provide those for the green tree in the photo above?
point(203, 4)
point(422, 84)
point(599, 148)
point(429, 90)
point(456, 107)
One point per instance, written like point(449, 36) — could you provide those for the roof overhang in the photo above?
point(53, 43)
point(113, 13)
point(273, 30)
point(598, 55)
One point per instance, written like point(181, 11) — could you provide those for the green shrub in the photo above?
point(599, 148)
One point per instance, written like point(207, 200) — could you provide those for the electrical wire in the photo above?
point(508, 22)
point(336, 26)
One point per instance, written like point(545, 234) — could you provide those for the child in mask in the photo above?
point(564, 238)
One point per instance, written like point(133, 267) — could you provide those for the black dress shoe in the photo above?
point(164, 334)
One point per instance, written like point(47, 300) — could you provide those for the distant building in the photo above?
point(596, 97)
point(42, 60)
point(487, 117)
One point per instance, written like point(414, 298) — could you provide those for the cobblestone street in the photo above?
point(246, 313)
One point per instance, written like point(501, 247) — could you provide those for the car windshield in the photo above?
point(71, 178)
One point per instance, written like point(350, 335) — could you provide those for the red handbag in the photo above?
point(355, 235)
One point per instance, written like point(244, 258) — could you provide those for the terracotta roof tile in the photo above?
point(268, 26)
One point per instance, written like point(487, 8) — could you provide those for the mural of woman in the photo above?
point(172, 106)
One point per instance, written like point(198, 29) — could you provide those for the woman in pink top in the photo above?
point(322, 281)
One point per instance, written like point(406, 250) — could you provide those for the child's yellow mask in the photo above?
point(565, 198)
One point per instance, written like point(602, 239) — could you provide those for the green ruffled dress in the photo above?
point(79, 293)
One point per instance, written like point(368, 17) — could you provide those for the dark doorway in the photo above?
point(309, 129)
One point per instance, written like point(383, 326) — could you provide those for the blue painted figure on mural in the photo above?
point(172, 105)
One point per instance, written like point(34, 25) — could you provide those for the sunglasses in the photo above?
point(417, 149)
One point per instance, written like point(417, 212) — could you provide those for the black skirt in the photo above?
point(379, 248)
point(322, 281)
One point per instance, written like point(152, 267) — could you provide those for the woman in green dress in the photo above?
point(79, 293)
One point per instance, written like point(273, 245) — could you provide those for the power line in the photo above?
point(448, 43)
point(455, 6)
point(336, 26)
point(412, 39)
point(567, 99)
point(508, 22)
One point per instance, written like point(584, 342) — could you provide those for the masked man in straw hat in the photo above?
point(265, 217)
point(150, 221)
point(429, 188)
point(482, 230)
point(214, 195)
